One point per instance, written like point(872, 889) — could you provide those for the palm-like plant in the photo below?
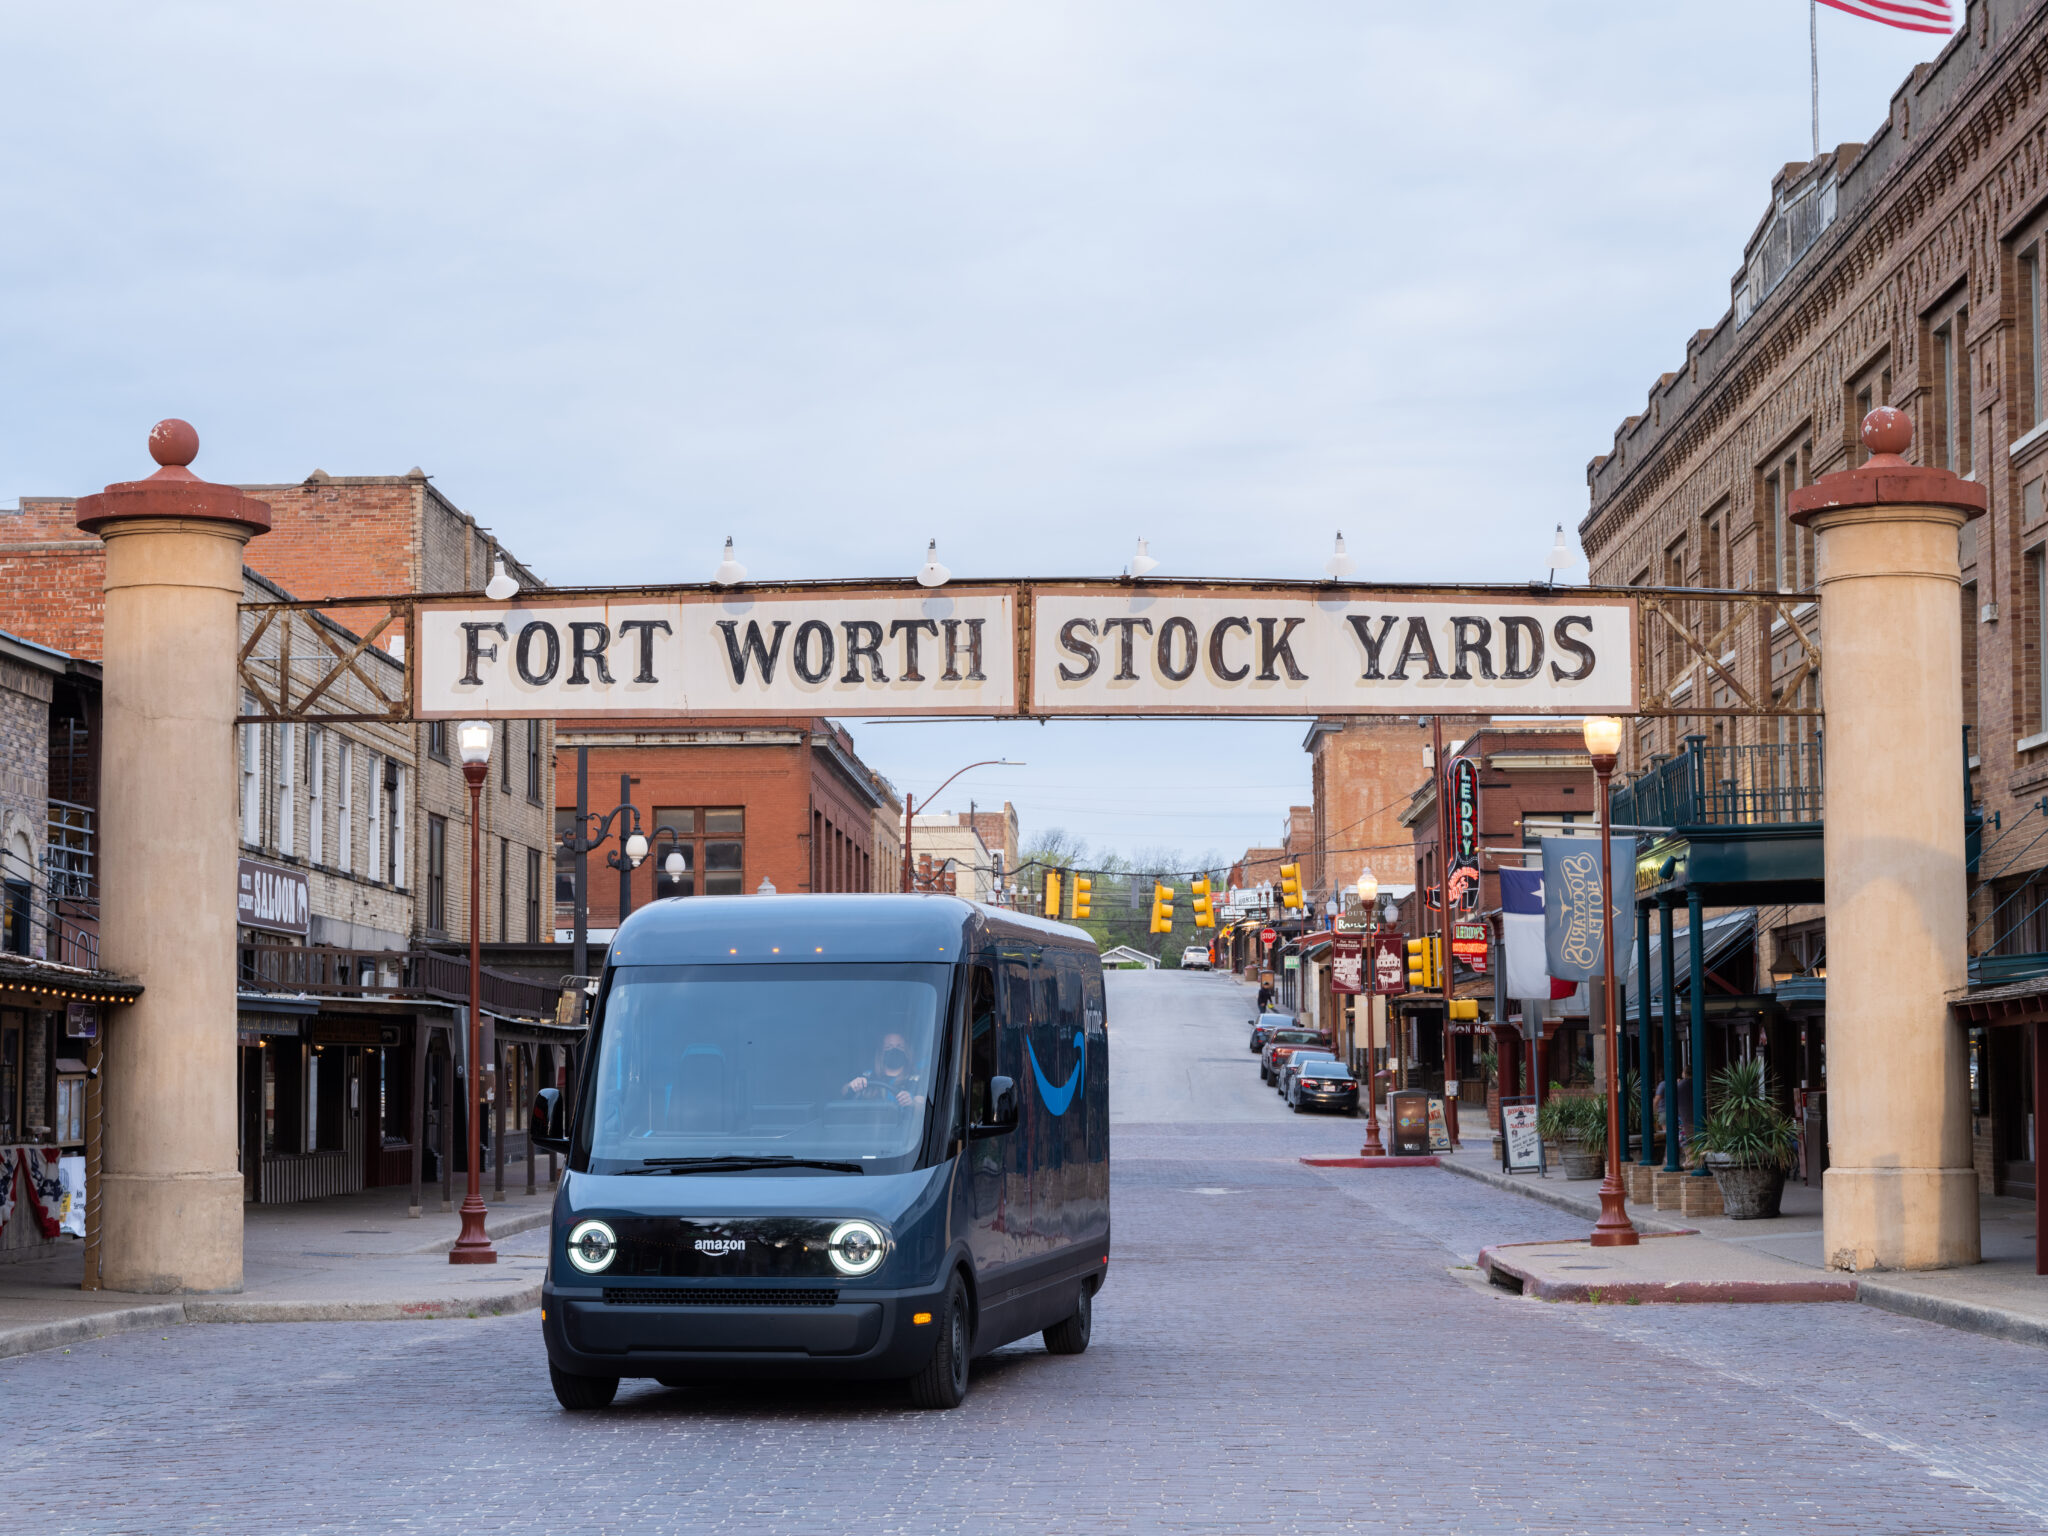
point(1744, 1123)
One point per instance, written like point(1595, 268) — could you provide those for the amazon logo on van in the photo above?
point(1058, 1096)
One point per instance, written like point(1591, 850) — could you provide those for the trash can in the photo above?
point(1408, 1123)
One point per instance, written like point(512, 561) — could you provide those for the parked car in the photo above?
point(1302, 1056)
point(1264, 1025)
point(1195, 958)
point(1324, 1085)
point(1283, 1045)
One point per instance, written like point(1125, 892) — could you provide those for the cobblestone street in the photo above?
point(1277, 1349)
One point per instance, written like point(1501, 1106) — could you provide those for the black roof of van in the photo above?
point(709, 930)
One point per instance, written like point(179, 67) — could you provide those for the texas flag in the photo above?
point(1521, 931)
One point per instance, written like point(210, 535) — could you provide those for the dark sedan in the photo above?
point(1264, 1026)
point(1291, 1068)
point(1324, 1085)
point(1284, 1045)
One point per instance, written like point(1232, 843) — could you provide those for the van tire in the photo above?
point(577, 1393)
point(943, 1381)
point(1070, 1335)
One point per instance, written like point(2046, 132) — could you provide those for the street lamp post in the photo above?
point(910, 810)
point(1368, 973)
point(473, 1246)
point(1614, 1229)
point(591, 832)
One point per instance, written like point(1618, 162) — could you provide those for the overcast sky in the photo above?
point(1034, 279)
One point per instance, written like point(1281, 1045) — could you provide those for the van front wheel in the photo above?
point(1070, 1336)
point(579, 1392)
point(943, 1381)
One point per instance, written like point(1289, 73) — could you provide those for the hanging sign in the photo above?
point(1468, 945)
point(1464, 808)
point(272, 898)
point(1389, 965)
point(1035, 649)
point(1347, 963)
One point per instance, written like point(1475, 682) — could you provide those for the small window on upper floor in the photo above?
point(1948, 444)
point(437, 739)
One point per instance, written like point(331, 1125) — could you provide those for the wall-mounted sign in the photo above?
point(1069, 648)
point(1389, 965)
point(1347, 963)
point(272, 898)
point(1468, 945)
point(1463, 798)
point(81, 1021)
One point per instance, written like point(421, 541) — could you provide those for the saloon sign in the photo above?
point(1006, 649)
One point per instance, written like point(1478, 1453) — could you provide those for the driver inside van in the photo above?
point(892, 1077)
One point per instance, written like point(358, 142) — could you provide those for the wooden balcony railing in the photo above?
point(322, 970)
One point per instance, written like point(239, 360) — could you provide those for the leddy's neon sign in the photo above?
point(1104, 648)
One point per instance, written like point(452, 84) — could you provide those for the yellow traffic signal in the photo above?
point(1290, 886)
point(1162, 908)
point(1203, 903)
point(1466, 1008)
point(1082, 886)
point(1052, 894)
point(1424, 964)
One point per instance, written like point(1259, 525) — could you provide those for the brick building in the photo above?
point(1363, 772)
point(781, 800)
point(1907, 271)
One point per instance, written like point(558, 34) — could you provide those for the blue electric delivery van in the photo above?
point(851, 1136)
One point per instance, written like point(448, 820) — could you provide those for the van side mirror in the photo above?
point(1002, 1108)
point(546, 1127)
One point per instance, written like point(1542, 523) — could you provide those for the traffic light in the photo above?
point(1205, 913)
point(1082, 886)
point(1290, 886)
point(1052, 894)
point(1465, 1008)
point(1162, 908)
point(1424, 964)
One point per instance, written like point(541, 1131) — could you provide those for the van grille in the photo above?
point(756, 1296)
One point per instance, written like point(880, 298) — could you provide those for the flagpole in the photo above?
point(1813, 52)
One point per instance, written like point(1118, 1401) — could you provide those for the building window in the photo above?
point(565, 860)
point(2037, 603)
point(724, 852)
point(345, 810)
point(504, 751)
point(1952, 393)
point(681, 820)
point(316, 796)
point(504, 887)
point(1970, 727)
point(252, 779)
point(379, 843)
point(394, 778)
point(437, 873)
point(533, 895)
point(437, 739)
point(285, 823)
point(533, 761)
point(2031, 320)
point(711, 844)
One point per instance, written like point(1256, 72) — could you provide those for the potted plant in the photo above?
point(1745, 1141)
point(1575, 1131)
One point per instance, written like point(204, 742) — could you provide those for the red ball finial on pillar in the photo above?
point(1886, 431)
point(173, 442)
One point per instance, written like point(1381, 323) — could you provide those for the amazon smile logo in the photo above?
point(1058, 1097)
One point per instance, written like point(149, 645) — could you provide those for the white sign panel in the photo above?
point(710, 654)
point(1153, 650)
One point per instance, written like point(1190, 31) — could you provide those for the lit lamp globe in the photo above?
point(473, 743)
point(672, 865)
point(1368, 888)
point(1603, 737)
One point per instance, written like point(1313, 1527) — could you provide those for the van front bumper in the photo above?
point(865, 1334)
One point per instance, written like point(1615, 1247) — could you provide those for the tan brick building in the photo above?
point(1909, 270)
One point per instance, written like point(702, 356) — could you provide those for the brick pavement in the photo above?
point(1279, 1349)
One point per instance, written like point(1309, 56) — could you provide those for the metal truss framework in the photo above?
point(1689, 646)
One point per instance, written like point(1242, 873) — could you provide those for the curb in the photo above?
point(1578, 1205)
point(100, 1325)
point(231, 1310)
point(509, 1226)
point(1492, 1265)
point(1966, 1316)
point(1431, 1161)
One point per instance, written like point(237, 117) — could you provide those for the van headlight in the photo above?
point(592, 1246)
point(857, 1247)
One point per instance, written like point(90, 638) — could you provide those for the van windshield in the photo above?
point(820, 1062)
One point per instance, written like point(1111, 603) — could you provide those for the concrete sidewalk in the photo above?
point(348, 1258)
point(1775, 1260)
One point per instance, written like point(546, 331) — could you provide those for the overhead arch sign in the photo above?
point(1037, 649)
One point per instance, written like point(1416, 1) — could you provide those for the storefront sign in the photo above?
point(1468, 945)
point(1291, 963)
point(272, 898)
point(1151, 648)
point(1347, 963)
point(1464, 803)
point(1389, 965)
point(81, 1021)
point(1521, 1146)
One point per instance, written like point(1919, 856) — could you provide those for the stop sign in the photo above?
point(1268, 935)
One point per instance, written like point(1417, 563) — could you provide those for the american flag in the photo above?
point(1908, 15)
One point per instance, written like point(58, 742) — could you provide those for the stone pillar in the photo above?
point(172, 1198)
point(1899, 1191)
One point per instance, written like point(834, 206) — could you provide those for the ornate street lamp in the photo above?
point(1614, 1229)
point(910, 809)
point(473, 1246)
point(1369, 895)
